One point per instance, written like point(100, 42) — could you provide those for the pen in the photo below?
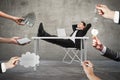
point(89, 65)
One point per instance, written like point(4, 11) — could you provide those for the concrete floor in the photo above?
point(57, 70)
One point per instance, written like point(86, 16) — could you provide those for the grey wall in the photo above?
point(56, 14)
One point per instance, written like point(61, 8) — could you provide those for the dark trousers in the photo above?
point(67, 43)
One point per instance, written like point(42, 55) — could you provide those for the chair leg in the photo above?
point(74, 57)
point(67, 54)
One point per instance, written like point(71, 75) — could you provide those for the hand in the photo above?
point(18, 20)
point(88, 67)
point(13, 40)
point(104, 11)
point(97, 44)
point(12, 62)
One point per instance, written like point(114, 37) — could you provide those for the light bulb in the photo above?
point(94, 32)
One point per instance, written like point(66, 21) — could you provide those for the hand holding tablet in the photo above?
point(23, 41)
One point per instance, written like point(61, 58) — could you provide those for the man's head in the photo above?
point(81, 25)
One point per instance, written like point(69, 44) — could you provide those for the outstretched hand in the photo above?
point(13, 40)
point(12, 62)
point(97, 44)
point(88, 67)
point(104, 11)
point(18, 20)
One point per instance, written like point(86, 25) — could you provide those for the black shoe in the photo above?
point(41, 31)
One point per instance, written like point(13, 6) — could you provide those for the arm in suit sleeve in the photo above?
point(112, 54)
point(0, 68)
point(74, 27)
point(87, 27)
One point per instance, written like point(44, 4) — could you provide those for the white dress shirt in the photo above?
point(3, 67)
point(116, 17)
point(103, 51)
point(73, 36)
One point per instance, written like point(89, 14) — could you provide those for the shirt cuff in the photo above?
point(3, 67)
point(103, 50)
point(116, 17)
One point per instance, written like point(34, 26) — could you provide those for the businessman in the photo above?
point(79, 30)
point(9, 64)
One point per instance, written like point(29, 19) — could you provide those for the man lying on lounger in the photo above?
point(79, 30)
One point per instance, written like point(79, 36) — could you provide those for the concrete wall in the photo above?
point(56, 14)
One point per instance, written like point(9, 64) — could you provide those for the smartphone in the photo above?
point(23, 41)
point(24, 21)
